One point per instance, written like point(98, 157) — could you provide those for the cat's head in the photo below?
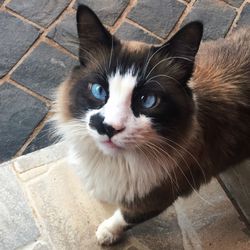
point(126, 95)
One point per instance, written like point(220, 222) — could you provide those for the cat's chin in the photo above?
point(109, 148)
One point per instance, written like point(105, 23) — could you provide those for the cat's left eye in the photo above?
point(149, 101)
point(98, 91)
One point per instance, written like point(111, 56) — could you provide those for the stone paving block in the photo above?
point(244, 17)
point(235, 3)
point(209, 221)
point(236, 182)
point(15, 39)
point(65, 33)
point(107, 10)
point(157, 16)
point(216, 16)
point(44, 139)
point(162, 232)
point(26, 163)
point(128, 31)
point(42, 12)
point(17, 226)
point(20, 113)
point(44, 69)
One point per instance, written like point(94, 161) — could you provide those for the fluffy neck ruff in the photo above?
point(121, 178)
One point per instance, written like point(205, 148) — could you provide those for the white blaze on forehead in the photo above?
point(117, 108)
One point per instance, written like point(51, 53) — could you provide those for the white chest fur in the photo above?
point(114, 179)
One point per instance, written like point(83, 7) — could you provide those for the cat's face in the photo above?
point(129, 95)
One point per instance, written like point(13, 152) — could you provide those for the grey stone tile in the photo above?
point(216, 16)
point(236, 182)
point(42, 12)
point(128, 31)
point(162, 232)
point(107, 10)
point(245, 16)
point(235, 3)
point(65, 33)
point(19, 115)
point(157, 16)
point(209, 221)
point(44, 139)
point(16, 37)
point(17, 226)
point(44, 70)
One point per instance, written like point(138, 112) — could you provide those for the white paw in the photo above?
point(105, 235)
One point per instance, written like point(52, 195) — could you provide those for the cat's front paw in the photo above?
point(106, 235)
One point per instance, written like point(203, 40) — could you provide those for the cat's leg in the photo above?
point(112, 229)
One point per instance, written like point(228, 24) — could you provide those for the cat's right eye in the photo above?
point(98, 91)
point(149, 101)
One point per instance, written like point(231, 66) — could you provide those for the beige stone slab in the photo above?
point(39, 158)
point(17, 225)
point(70, 217)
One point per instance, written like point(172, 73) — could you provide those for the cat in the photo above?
point(147, 123)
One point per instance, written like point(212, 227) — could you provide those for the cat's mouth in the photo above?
point(109, 147)
point(110, 144)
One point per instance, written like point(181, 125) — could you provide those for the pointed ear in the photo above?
point(91, 32)
point(182, 49)
point(186, 41)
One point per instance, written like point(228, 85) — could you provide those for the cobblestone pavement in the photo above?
point(37, 51)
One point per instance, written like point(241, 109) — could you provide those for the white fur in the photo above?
point(117, 109)
point(111, 230)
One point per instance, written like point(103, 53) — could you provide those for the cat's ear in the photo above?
point(186, 41)
point(183, 46)
point(91, 32)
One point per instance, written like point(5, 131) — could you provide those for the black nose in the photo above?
point(96, 122)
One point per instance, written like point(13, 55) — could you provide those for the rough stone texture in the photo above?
point(209, 221)
point(65, 33)
point(44, 139)
point(17, 226)
point(236, 3)
point(107, 10)
point(162, 232)
point(245, 16)
point(1, 2)
point(216, 16)
point(157, 16)
point(236, 182)
point(44, 70)
point(39, 158)
point(42, 12)
point(20, 113)
point(128, 31)
point(16, 38)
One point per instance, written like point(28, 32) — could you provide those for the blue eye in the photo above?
point(148, 101)
point(98, 91)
